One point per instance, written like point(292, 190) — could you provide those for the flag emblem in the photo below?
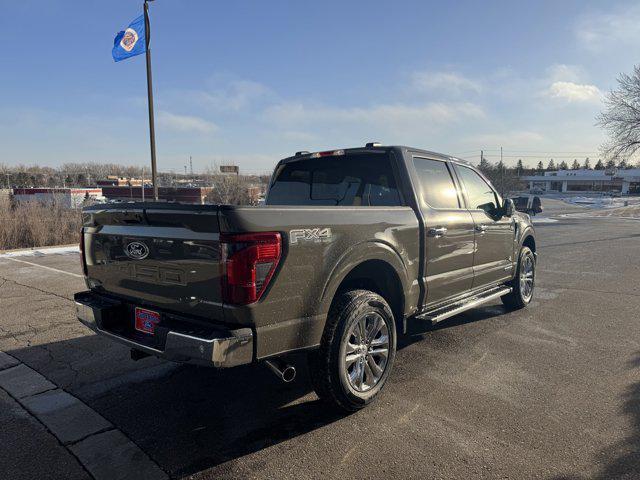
point(129, 39)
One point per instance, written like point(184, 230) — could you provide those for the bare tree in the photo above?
point(621, 116)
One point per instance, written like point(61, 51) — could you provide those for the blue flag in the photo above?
point(130, 42)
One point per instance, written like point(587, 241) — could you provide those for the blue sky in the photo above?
point(251, 82)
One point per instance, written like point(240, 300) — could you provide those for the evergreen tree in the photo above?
point(599, 165)
point(587, 164)
point(540, 167)
point(575, 165)
point(563, 165)
point(520, 167)
point(611, 164)
point(551, 165)
point(623, 165)
point(484, 166)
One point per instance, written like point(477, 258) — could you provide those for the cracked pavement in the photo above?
point(552, 391)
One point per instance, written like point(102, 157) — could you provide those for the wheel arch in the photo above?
point(373, 266)
point(528, 240)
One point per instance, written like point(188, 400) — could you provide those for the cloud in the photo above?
point(516, 138)
point(234, 96)
point(599, 31)
point(433, 114)
point(565, 73)
point(448, 82)
point(574, 92)
point(397, 123)
point(185, 123)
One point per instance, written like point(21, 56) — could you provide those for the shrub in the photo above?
point(35, 224)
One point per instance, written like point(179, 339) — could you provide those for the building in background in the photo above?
point(583, 181)
point(194, 195)
point(113, 181)
point(67, 197)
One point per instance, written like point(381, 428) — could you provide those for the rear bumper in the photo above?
point(219, 348)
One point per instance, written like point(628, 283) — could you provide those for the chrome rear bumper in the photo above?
point(223, 348)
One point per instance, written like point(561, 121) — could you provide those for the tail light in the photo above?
point(249, 261)
point(83, 258)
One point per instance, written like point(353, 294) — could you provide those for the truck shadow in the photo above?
point(622, 459)
point(189, 419)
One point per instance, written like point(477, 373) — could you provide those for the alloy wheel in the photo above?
point(366, 351)
point(527, 277)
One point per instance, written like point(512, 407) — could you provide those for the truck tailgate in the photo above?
point(159, 255)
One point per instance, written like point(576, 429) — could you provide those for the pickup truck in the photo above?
point(352, 248)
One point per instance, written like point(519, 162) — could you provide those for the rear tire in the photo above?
point(357, 351)
point(524, 282)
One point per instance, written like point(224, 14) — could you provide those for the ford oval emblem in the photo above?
point(136, 250)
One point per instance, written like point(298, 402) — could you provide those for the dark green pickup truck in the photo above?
point(352, 248)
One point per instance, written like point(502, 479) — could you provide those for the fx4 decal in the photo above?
point(309, 235)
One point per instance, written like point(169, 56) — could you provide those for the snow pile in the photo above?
point(601, 202)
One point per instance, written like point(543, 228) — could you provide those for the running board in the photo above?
point(448, 311)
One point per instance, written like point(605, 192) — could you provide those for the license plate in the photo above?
point(146, 320)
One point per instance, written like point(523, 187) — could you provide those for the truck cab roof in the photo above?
point(375, 148)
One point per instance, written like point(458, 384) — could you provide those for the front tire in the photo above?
point(357, 351)
point(524, 282)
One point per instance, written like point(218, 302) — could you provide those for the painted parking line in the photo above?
point(104, 451)
point(42, 266)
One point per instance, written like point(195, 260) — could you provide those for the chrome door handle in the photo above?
point(481, 228)
point(437, 232)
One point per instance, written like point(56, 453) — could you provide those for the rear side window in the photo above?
point(346, 180)
point(479, 194)
point(438, 189)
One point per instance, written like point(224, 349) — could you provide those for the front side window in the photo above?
point(438, 189)
point(346, 180)
point(479, 194)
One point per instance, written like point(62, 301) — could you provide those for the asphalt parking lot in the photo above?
point(552, 391)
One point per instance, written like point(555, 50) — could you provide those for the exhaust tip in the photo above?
point(289, 374)
point(284, 371)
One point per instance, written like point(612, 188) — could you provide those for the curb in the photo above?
point(101, 449)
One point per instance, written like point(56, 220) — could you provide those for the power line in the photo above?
point(542, 151)
point(524, 156)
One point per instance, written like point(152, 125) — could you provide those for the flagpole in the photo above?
point(152, 130)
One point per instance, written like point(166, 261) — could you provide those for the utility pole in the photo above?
point(142, 184)
point(501, 173)
point(191, 165)
point(152, 130)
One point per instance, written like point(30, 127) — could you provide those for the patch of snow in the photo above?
point(42, 251)
point(600, 202)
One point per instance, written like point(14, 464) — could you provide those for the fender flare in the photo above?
point(356, 255)
point(527, 232)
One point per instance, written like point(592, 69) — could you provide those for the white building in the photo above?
point(67, 197)
point(622, 181)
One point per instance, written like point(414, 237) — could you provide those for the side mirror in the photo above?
point(508, 207)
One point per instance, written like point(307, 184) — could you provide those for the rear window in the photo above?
point(347, 180)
